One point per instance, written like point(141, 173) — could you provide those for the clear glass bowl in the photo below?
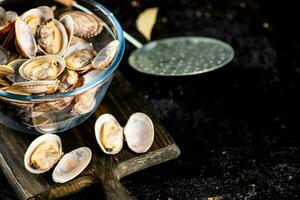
point(20, 112)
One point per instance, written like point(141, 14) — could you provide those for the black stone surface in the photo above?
point(237, 127)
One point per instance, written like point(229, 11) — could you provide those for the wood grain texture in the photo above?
point(105, 170)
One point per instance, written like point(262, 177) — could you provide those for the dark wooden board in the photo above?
point(105, 170)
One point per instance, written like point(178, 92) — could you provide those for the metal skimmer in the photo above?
point(181, 56)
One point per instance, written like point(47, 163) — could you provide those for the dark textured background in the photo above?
point(237, 127)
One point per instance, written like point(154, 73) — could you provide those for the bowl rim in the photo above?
point(102, 78)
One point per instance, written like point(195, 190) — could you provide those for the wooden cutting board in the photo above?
point(104, 170)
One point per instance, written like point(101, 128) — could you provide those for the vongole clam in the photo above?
point(42, 68)
point(79, 56)
point(46, 151)
point(35, 16)
point(52, 37)
point(138, 132)
point(106, 55)
point(85, 25)
point(25, 41)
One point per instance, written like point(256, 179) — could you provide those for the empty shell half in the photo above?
point(43, 153)
point(71, 165)
point(139, 133)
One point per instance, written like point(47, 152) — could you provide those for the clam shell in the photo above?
point(53, 105)
point(25, 41)
point(91, 75)
point(139, 132)
point(37, 87)
point(33, 18)
point(14, 91)
point(85, 25)
point(68, 80)
point(71, 165)
point(44, 122)
point(111, 142)
point(106, 55)
point(52, 37)
point(84, 103)
point(45, 150)
point(4, 82)
point(42, 68)
point(7, 21)
point(16, 77)
point(79, 56)
point(48, 12)
point(6, 70)
point(68, 23)
point(14, 102)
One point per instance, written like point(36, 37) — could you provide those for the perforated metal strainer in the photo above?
point(181, 56)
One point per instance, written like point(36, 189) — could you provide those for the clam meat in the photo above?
point(79, 56)
point(109, 134)
point(43, 153)
point(42, 68)
point(52, 37)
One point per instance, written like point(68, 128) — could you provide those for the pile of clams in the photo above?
point(46, 151)
point(43, 53)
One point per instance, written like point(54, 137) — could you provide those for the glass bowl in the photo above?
point(25, 113)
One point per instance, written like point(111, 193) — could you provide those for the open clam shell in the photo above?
point(109, 134)
point(37, 87)
point(52, 37)
point(105, 56)
point(139, 133)
point(42, 68)
point(79, 56)
point(71, 165)
point(33, 18)
point(43, 153)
